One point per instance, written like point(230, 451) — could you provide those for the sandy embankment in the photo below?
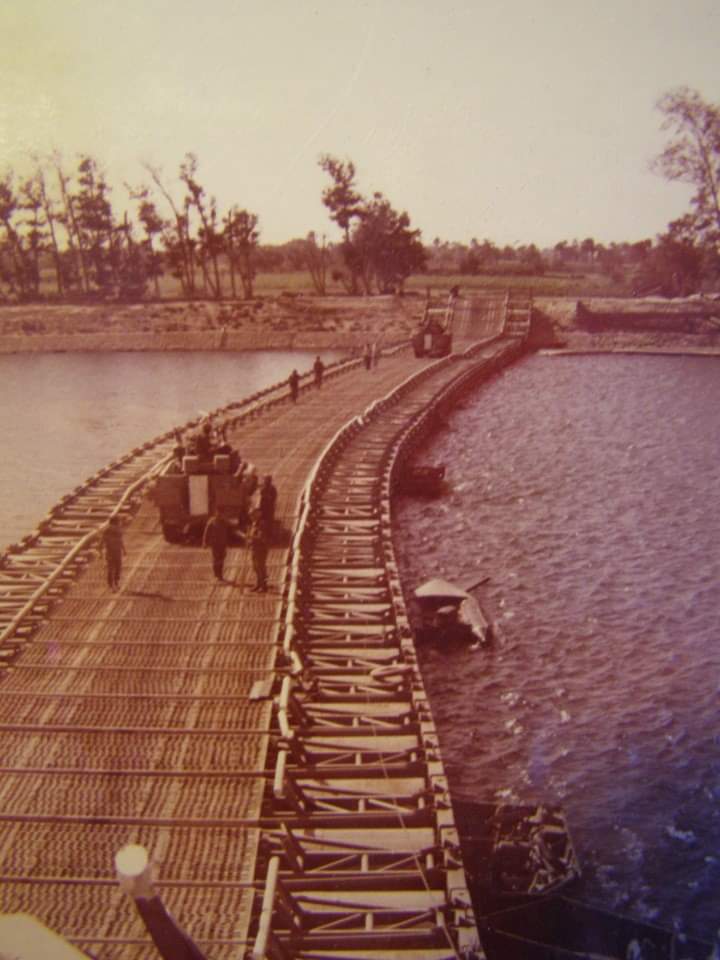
point(649, 325)
point(346, 323)
point(285, 322)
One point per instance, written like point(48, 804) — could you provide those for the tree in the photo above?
point(154, 225)
point(51, 219)
point(470, 263)
point(531, 259)
point(176, 237)
point(316, 258)
point(386, 250)
point(77, 272)
point(587, 248)
point(210, 242)
point(241, 237)
point(673, 267)
point(693, 156)
point(379, 248)
point(345, 205)
point(19, 266)
point(132, 269)
point(95, 225)
point(342, 199)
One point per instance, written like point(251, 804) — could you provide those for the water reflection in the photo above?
point(65, 415)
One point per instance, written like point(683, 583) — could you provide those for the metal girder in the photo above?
point(353, 715)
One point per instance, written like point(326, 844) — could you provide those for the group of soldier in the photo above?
point(294, 379)
point(259, 519)
point(218, 533)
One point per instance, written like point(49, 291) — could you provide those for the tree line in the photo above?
point(65, 217)
point(60, 235)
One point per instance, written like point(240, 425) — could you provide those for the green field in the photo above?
point(551, 285)
point(298, 282)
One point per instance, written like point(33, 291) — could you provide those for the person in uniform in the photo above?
point(294, 384)
point(176, 464)
point(217, 536)
point(204, 443)
point(114, 548)
point(268, 499)
point(259, 551)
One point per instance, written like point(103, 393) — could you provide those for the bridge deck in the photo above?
point(128, 718)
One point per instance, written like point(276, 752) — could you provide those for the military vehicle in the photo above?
point(193, 486)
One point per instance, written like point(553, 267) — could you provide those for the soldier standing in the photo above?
point(259, 550)
point(217, 537)
point(268, 499)
point(294, 382)
point(114, 548)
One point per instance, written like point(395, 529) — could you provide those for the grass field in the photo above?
point(551, 285)
point(298, 282)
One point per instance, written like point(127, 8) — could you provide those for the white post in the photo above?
point(134, 873)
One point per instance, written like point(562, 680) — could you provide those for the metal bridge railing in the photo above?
point(354, 710)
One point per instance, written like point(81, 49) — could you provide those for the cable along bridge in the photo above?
point(274, 753)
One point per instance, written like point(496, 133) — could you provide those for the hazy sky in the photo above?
point(524, 121)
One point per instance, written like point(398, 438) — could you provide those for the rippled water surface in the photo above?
point(65, 415)
point(588, 490)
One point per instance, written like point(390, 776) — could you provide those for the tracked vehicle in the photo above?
point(191, 489)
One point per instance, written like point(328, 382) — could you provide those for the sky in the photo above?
point(521, 121)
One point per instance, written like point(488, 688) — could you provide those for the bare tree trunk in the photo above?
point(316, 260)
point(231, 263)
point(47, 208)
point(191, 259)
point(246, 273)
point(74, 236)
point(18, 258)
point(203, 267)
point(187, 278)
point(209, 239)
point(156, 276)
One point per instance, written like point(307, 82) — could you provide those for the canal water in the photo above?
point(587, 490)
point(65, 415)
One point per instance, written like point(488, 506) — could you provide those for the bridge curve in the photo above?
point(275, 754)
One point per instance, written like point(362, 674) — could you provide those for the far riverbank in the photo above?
point(303, 322)
point(277, 323)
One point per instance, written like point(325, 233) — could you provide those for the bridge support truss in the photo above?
point(363, 858)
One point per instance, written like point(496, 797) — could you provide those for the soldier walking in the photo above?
point(259, 551)
point(217, 537)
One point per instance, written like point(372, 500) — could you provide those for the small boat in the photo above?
point(424, 481)
point(515, 852)
point(448, 614)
